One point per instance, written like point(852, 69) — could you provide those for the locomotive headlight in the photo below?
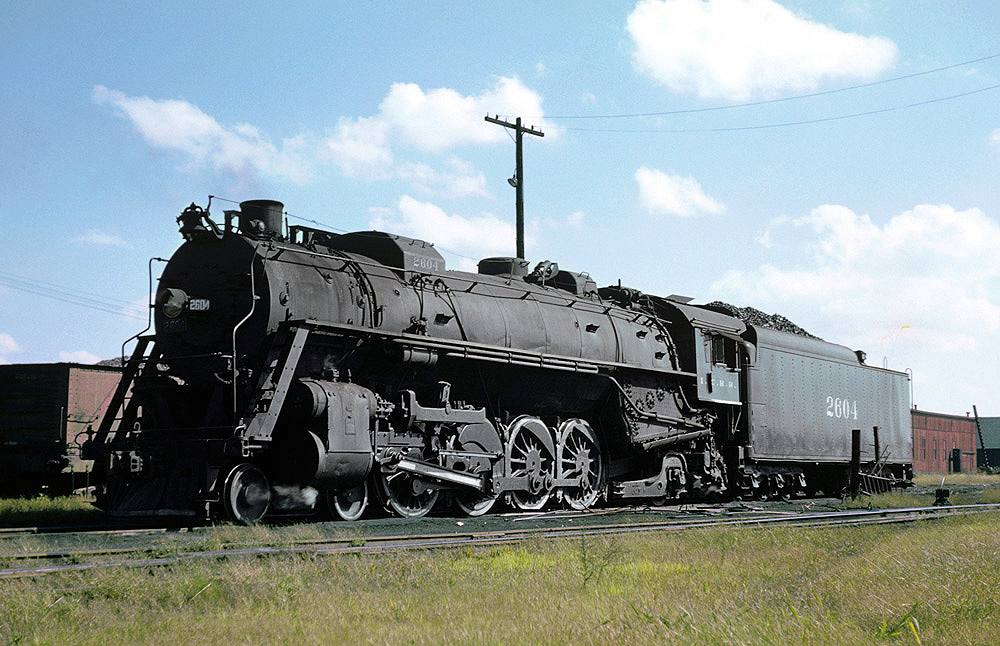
point(171, 301)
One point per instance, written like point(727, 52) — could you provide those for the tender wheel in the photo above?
point(580, 456)
point(348, 504)
point(478, 438)
point(246, 495)
point(782, 488)
point(404, 495)
point(530, 453)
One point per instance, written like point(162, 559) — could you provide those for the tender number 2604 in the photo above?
point(841, 408)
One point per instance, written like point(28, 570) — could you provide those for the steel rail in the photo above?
point(89, 530)
point(377, 544)
point(556, 516)
point(103, 528)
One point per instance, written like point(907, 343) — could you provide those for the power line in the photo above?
point(770, 101)
point(41, 284)
point(68, 295)
point(788, 123)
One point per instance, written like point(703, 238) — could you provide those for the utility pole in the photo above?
point(517, 181)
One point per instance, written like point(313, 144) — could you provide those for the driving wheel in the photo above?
point(481, 439)
point(402, 494)
point(580, 457)
point(530, 455)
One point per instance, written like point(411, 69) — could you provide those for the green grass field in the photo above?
point(42, 510)
point(934, 479)
point(965, 488)
point(930, 582)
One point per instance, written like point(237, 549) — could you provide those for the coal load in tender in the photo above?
point(753, 316)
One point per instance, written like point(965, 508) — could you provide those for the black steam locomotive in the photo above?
point(292, 371)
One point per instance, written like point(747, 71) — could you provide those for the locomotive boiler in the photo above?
point(293, 369)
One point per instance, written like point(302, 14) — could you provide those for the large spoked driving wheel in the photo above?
point(530, 454)
point(580, 457)
point(402, 494)
point(246, 495)
point(348, 504)
point(481, 439)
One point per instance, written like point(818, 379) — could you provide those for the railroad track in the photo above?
point(48, 562)
point(72, 530)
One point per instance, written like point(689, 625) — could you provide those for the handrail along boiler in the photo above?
point(286, 367)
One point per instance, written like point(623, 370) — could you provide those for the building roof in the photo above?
point(917, 411)
point(991, 431)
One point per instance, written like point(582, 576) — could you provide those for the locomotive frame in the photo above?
point(285, 367)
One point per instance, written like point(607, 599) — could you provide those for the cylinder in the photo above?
point(330, 446)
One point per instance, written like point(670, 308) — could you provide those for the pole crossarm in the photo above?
point(518, 179)
point(517, 126)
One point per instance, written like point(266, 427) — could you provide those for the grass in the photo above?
point(904, 499)
point(42, 510)
point(965, 488)
point(923, 583)
point(934, 479)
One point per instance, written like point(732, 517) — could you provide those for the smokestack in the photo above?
point(261, 218)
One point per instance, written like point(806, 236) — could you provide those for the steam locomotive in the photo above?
point(293, 369)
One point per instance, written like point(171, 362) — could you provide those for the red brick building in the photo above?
point(935, 438)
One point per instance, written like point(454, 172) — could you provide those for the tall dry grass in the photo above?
point(929, 581)
point(934, 479)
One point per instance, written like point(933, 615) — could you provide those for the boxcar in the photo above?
point(45, 410)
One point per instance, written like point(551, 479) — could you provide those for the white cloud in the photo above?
point(738, 50)
point(430, 121)
point(79, 356)
point(764, 240)
point(433, 121)
point(459, 180)
point(101, 239)
point(8, 346)
point(995, 137)
point(922, 289)
point(182, 127)
point(572, 221)
point(475, 237)
point(440, 119)
point(541, 69)
point(669, 194)
point(361, 148)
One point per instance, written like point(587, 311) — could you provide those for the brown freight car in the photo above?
point(45, 410)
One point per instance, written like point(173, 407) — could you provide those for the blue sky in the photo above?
point(877, 231)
